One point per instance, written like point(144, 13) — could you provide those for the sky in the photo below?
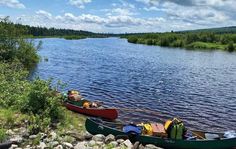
point(122, 16)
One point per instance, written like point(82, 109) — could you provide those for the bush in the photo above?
point(13, 86)
point(14, 46)
point(230, 47)
point(149, 42)
point(43, 101)
point(177, 43)
point(164, 42)
point(132, 39)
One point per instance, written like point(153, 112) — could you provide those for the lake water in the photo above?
point(197, 86)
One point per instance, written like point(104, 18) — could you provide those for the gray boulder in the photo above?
point(98, 137)
point(109, 138)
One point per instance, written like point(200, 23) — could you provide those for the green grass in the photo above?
point(3, 135)
point(72, 121)
point(205, 45)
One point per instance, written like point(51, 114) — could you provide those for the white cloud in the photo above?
point(125, 17)
point(44, 14)
point(12, 4)
point(153, 8)
point(88, 18)
point(121, 11)
point(208, 13)
point(79, 3)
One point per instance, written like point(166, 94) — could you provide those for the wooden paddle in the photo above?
point(197, 135)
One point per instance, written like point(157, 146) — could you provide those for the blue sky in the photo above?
point(119, 16)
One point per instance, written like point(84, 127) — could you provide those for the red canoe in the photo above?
point(107, 113)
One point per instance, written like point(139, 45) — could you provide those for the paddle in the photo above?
point(198, 135)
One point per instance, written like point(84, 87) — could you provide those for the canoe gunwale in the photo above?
point(224, 143)
point(107, 113)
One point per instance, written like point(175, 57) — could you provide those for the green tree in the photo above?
point(13, 46)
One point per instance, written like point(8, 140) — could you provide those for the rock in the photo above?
point(33, 136)
point(27, 146)
point(119, 141)
point(53, 135)
point(99, 143)
point(47, 140)
point(10, 132)
point(43, 136)
point(59, 147)
point(53, 143)
point(68, 139)
point(16, 139)
point(128, 144)
point(114, 143)
point(24, 132)
point(78, 137)
point(16, 130)
point(136, 145)
point(88, 136)
point(109, 138)
point(141, 146)
point(91, 143)
point(80, 145)
point(13, 146)
point(42, 145)
point(68, 145)
point(151, 146)
point(98, 137)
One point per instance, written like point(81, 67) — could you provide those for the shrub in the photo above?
point(43, 101)
point(14, 46)
point(132, 39)
point(164, 42)
point(13, 86)
point(149, 42)
point(177, 43)
point(230, 47)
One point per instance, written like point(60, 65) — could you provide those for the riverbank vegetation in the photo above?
point(189, 40)
point(34, 104)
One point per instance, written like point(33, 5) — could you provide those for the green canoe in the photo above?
point(97, 126)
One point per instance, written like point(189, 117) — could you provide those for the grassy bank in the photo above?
point(189, 40)
point(34, 104)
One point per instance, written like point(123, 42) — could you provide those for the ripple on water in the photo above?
point(197, 86)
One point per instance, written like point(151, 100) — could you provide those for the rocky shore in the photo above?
point(71, 139)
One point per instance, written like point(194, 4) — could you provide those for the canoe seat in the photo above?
point(158, 130)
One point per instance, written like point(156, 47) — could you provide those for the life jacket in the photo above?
point(175, 128)
point(86, 105)
point(146, 128)
point(75, 92)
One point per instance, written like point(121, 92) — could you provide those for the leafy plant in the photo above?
point(3, 135)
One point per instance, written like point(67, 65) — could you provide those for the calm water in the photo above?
point(197, 86)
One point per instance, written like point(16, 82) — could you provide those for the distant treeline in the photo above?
point(222, 30)
point(38, 32)
point(214, 38)
point(187, 39)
